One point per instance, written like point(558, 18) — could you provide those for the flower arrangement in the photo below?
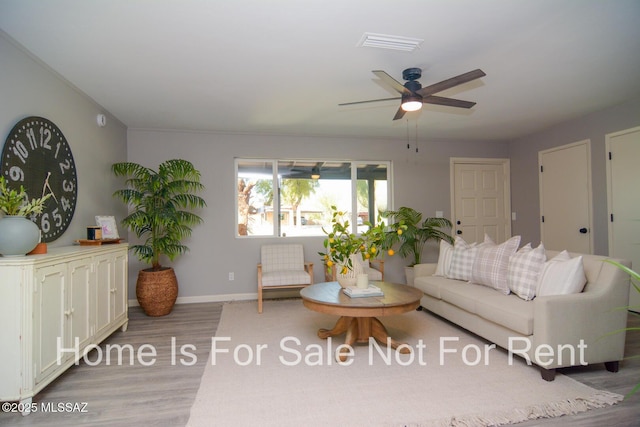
point(16, 202)
point(341, 244)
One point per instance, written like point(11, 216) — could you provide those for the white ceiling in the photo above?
point(283, 66)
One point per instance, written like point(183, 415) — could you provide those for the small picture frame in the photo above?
point(109, 227)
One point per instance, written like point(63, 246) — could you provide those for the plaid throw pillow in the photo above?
point(525, 267)
point(491, 264)
point(462, 259)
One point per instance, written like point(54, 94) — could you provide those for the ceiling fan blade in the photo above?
point(449, 102)
point(391, 82)
point(399, 114)
point(365, 102)
point(452, 82)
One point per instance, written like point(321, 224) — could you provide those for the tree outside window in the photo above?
point(297, 199)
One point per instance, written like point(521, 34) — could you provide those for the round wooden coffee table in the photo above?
point(358, 316)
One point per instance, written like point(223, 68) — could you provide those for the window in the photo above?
point(294, 197)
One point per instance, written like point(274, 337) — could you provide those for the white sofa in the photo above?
point(547, 323)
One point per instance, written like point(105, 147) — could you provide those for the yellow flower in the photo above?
point(331, 240)
point(373, 249)
point(329, 263)
point(344, 270)
point(367, 256)
point(399, 231)
point(391, 252)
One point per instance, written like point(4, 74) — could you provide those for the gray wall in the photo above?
point(30, 88)
point(525, 199)
point(420, 180)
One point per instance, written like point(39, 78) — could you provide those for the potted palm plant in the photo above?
point(412, 232)
point(18, 234)
point(161, 204)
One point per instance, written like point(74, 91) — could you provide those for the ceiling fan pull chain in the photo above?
point(408, 143)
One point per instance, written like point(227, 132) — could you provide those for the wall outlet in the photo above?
point(231, 275)
point(513, 216)
point(439, 214)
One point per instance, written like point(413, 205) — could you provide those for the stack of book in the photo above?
point(356, 292)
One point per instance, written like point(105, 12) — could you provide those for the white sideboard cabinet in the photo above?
point(69, 298)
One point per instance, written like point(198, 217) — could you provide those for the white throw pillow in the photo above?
point(524, 269)
point(492, 262)
point(444, 259)
point(561, 275)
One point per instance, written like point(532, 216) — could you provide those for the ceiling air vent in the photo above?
point(384, 41)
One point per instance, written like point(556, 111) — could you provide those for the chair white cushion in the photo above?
point(282, 257)
point(285, 277)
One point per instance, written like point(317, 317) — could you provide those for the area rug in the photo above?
point(271, 369)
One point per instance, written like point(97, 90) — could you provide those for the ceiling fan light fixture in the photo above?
point(411, 102)
point(315, 176)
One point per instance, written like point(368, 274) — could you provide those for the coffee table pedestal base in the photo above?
point(359, 330)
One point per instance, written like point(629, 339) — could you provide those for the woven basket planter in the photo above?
point(157, 291)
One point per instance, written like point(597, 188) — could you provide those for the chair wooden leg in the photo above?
point(260, 299)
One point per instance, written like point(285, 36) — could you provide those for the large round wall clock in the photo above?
point(37, 156)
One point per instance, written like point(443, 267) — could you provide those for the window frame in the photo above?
point(277, 229)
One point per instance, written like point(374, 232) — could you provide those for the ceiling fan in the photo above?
point(413, 95)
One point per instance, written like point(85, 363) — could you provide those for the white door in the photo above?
point(623, 178)
point(480, 199)
point(565, 197)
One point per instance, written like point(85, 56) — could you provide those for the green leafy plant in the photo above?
point(17, 203)
point(634, 276)
point(340, 243)
point(408, 229)
point(161, 202)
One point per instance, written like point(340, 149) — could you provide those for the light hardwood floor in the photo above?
point(162, 394)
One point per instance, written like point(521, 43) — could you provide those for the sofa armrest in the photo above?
point(590, 316)
point(424, 269)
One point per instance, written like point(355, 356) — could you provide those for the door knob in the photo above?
point(584, 230)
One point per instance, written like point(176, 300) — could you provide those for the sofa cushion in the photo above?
point(524, 269)
point(491, 264)
point(431, 285)
point(507, 310)
point(465, 295)
point(444, 259)
point(561, 275)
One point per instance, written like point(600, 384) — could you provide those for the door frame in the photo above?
point(506, 185)
point(587, 143)
point(610, 206)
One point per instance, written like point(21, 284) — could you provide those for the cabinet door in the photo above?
point(50, 306)
point(119, 286)
point(81, 304)
point(104, 279)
